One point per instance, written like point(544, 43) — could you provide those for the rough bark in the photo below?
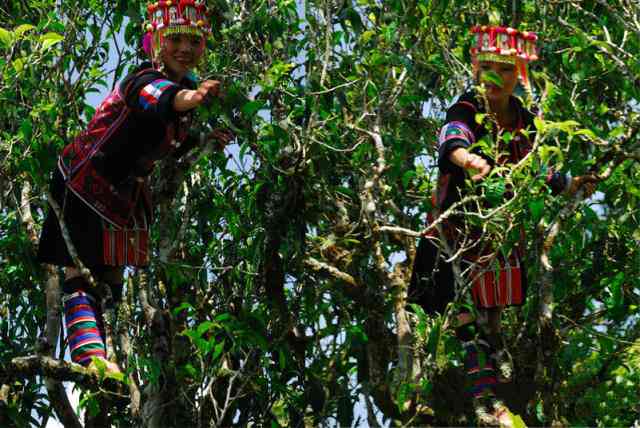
point(155, 406)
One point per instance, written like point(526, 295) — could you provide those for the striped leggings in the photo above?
point(85, 331)
point(83, 319)
point(478, 365)
point(480, 369)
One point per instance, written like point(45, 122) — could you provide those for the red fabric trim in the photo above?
point(126, 247)
point(503, 287)
point(119, 241)
point(489, 291)
point(131, 247)
point(516, 286)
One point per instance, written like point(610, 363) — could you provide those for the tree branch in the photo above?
point(319, 266)
point(59, 370)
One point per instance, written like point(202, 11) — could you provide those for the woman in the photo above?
point(101, 179)
point(500, 56)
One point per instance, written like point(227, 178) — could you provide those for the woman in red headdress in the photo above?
point(101, 179)
point(500, 56)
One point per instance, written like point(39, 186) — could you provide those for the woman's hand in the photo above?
point(187, 99)
point(220, 138)
point(586, 182)
point(467, 160)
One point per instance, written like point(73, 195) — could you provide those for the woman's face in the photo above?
point(507, 74)
point(181, 53)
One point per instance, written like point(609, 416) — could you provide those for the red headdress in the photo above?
point(504, 44)
point(168, 17)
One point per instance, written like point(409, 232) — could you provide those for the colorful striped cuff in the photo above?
point(151, 93)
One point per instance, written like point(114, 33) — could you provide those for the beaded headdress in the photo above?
point(167, 17)
point(504, 44)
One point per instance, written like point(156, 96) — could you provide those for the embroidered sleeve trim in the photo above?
point(456, 131)
point(151, 93)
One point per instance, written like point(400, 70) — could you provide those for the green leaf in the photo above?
point(252, 107)
point(404, 394)
point(602, 109)
point(407, 100)
point(217, 350)
point(26, 130)
point(99, 364)
point(589, 134)
point(540, 411)
point(223, 317)
point(517, 421)
point(434, 338)
point(617, 132)
point(119, 376)
point(50, 39)
point(279, 410)
point(615, 301)
point(205, 327)
point(494, 190)
point(21, 29)
point(536, 206)
point(494, 17)
point(18, 65)
point(190, 370)
point(548, 152)
point(480, 118)
point(90, 403)
point(183, 306)
point(407, 177)
point(492, 77)
point(507, 137)
point(567, 126)
point(6, 38)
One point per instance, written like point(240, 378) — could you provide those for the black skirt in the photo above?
point(84, 226)
point(432, 280)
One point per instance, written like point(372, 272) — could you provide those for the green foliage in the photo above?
point(336, 107)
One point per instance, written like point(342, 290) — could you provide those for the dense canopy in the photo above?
point(277, 289)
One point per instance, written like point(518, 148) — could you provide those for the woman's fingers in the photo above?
point(586, 182)
point(482, 174)
point(222, 136)
point(211, 87)
point(207, 91)
point(479, 164)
